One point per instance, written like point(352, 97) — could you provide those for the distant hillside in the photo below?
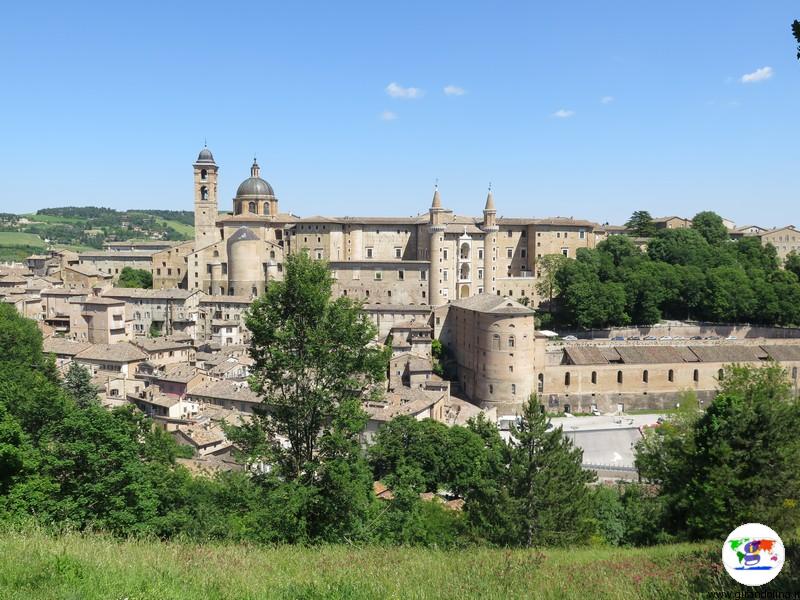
point(86, 227)
point(92, 566)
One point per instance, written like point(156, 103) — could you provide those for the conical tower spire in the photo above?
point(489, 200)
point(437, 199)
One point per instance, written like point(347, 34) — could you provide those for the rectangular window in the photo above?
point(582, 234)
point(423, 275)
point(398, 252)
point(480, 253)
point(565, 251)
point(523, 253)
point(444, 275)
point(509, 252)
point(480, 273)
point(369, 253)
point(401, 275)
point(444, 254)
point(378, 275)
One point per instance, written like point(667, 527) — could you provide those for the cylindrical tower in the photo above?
point(490, 229)
point(436, 231)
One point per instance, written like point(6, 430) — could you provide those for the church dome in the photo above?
point(254, 186)
point(205, 156)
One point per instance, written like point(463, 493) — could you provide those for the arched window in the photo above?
point(594, 376)
point(496, 342)
point(511, 341)
point(204, 193)
point(203, 174)
point(696, 376)
point(137, 316)
point(721, 374)
point(541, 382)
point(645, 376)
point(566, 378)
point(464, 254)
point(794, 372)
point(671, 375)
point(513, 388)
point(251, 207)
point(491, 389)
point(216, 253)
point(619, 376)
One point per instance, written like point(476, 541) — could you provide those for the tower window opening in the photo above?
point(203, 174)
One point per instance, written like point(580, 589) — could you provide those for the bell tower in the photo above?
point(205, 199)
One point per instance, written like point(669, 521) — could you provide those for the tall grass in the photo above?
point(34, 565)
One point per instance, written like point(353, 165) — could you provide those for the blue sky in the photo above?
point(108, 104)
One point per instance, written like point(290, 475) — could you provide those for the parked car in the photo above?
point(666, 338)
point(713, 337)
point(634, 338)
point(618, 338)
point(570, 338)
point(650, 338)
point(731, 337)
point(696, 337)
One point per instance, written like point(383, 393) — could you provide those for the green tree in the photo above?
point(445, 457)
point(312, 356)
point(796, 32)
point(541, 495)
point(547, 267)
point(78, 384)
point(733, 464)
point(135, 278)
point(709, 225)
point(641, 224)
point(792, 263)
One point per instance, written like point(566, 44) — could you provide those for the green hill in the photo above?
point(36, 565)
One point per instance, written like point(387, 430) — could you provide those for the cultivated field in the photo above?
point(36, 565)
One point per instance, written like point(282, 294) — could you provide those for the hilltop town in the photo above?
point(454, 297)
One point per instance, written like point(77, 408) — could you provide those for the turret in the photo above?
point(490, 230)
point(436, 231)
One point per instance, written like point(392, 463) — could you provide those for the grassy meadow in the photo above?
point(37, 565)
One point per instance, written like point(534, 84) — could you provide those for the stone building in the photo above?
point(785, 239)
point(580, 378)
point(428, 259)
point(163, 311)
point(111, 262)
point(492, 341)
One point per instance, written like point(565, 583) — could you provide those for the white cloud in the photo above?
point(607, 99)
point(563, 113)
point(761, 74)
point(388, 115)
point(395, 90)
point(454, 90)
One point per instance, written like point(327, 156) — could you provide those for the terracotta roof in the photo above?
point(725, 354)
point(226, 390)
point(783, 352)
point(120, 352)
point(489, 303)
point(584, 355)
point(87, 270)
point(160, 344)
point(63, 346)
point(634, 355)
point(178, 373)
point(165, 294)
